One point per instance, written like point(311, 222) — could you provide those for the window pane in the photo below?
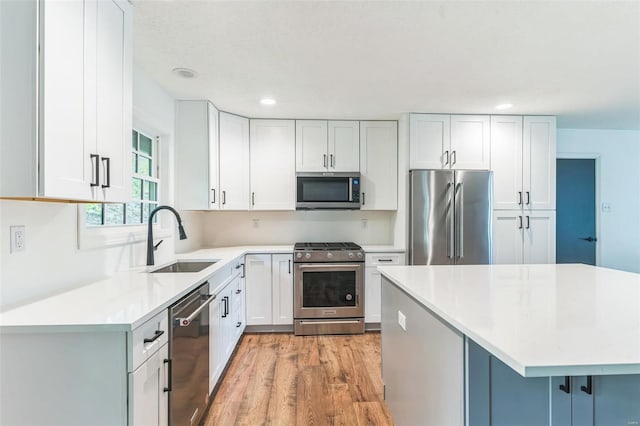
point(144, 166)
point(134, 163)
point(153, 191)
point(93, 214)
point(134, 213)
point(136, 189)
point(151, 207)
point(145, 189)
point(134, 139)
point(145, 145)
point(114, 214)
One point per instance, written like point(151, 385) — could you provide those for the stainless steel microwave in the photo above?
point(327, 190)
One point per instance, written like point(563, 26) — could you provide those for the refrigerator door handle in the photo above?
point(451, 214)
point(460, 220)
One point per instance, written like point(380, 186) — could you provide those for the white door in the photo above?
point(234, 162)
point(470, 142)
point(113, 99)
point(508, 234)
point(539, 162)
point(149, 401)
point(429, 137)
point(216, 363)
point(272, 161)
point(282, 290)
point(539, 236)
point(372, 295)
point(67, 168)
point(506, 161)
point(258, 288)
point(344, 146)
point(311, 146)
point(379, 165)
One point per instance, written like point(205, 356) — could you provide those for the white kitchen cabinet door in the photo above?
point(372, 295)
point(113, 98)
point(379, 165)
point(216, 347)
point(429, 136)
point(234, 162)
point(311, 146)
point(196, 155)
point(282, 290)
point(539, 165)
point(272, 162)
point(344, 146)
point(508, 237)
point(506, 161)
point(258, 288)
point(470, 142)
point(539, 236)
point(238, 309)
point(150, 402)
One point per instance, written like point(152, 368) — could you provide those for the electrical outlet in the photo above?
point(402, 321)
point(256, 223)
point(18, 238)
point(606, 207)
point(365, 223)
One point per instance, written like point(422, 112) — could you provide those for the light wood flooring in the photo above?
point(282, 379)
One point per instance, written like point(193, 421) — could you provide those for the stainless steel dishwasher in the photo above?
point(189, 357)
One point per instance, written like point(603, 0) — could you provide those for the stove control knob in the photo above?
point(351, 255)
point(329, 255)
point(349, 297)
point(299, 255)
point(307, 255)
point(359, 255)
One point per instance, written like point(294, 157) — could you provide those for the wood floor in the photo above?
point(282, 379)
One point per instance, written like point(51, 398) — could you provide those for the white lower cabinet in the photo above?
point(521, 236)
point(373, 282)
point(269, 287)
point(150, 398)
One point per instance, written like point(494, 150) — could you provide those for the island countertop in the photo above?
point(541, 320)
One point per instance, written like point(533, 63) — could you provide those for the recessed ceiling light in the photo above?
point(185, 72)
point(267, 101)
point(504, 106)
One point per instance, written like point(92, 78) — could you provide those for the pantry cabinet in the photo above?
point(234, 162)
point(449, 142)
point(523, 158)
point(524, 237)
point(327, 146)
point(379, 165)
point(72, 84)
point(272, 164)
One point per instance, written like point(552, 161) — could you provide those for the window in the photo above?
point(144, 188)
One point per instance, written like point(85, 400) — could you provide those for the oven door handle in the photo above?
point(329, 265)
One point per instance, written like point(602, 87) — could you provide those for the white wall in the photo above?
point(248, 228)
point(618, 153)
point(52, 262)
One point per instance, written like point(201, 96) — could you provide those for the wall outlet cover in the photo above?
point(18, 238)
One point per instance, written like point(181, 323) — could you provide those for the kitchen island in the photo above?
point(511, 344)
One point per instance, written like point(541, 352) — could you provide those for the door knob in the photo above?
point(590, 239)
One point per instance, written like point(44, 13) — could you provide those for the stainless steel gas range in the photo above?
point(328, 289)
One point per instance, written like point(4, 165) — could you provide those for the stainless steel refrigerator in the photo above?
point(450, 217)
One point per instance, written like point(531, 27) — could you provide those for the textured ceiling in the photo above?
point(379, 59)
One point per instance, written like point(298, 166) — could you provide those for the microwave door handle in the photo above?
point(350, 189)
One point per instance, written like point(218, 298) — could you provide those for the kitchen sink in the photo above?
point(185, 266)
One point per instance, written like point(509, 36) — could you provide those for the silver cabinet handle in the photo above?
point(528, 198)
point(214, 195)
point(243, 274)
point(331, 160)
point(184, 322)
point(460, 211)
point(519, 198)
point(95, 165)
point(224, 197)
point(107, 171)
point(453, 157)
point(324, 160)
point(446, 153)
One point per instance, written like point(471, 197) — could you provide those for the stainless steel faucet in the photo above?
point(150, 246)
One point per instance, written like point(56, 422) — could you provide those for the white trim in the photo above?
point(596, 157)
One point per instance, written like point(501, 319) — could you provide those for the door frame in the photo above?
point(596, 157)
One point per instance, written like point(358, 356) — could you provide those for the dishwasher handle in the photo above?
point(184, 322)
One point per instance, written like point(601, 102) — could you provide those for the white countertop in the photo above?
point(541, 320)
point(124, 301)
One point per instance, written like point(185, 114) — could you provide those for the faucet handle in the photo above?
point(155, 247)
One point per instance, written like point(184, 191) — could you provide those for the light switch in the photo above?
point(606, 207)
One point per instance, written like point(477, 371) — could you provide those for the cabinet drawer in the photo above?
point(384, 259)
point(155, 332)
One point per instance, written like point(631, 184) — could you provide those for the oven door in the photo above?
point(328, 290)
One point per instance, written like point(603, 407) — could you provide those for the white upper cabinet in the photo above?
point(379, 165)
point(323, 146)
point(523, 155)
point(449, 142)
point(272, 162)
point(84, 91)
point(196, 155)
point(234, 162)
